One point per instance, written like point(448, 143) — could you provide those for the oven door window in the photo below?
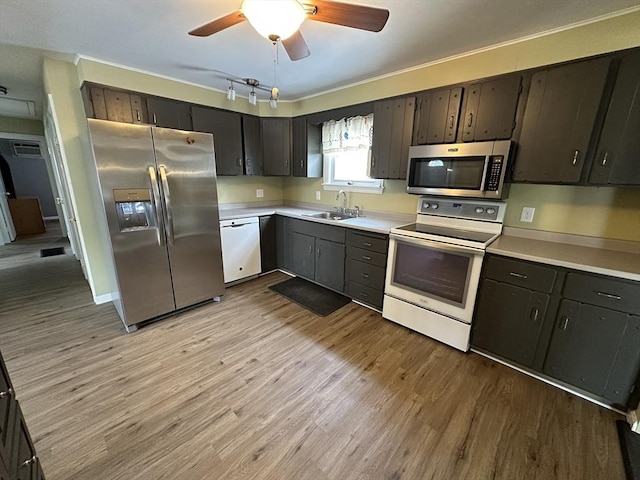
point(439, 274)
point(463, 173)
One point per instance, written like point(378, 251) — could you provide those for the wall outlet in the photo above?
point(527, 214)
point(318, 197)
point(259, 193)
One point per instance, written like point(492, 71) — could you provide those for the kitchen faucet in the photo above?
point(344, 201)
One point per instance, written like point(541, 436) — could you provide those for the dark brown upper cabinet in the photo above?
point(558, 122)
point(252, 142)
point(114, 105)
point(226, 128)
point(307, 149)
point(169, 113)
point(276, 146)
point(436, 118)
point(491, 109)
point(392, 131)
point(617, 159)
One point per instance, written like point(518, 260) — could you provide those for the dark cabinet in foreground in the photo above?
point(226, 128)
point(577, 328)
point(169, 113)
point(392, 132)
point(18, 459)
point(276, 146)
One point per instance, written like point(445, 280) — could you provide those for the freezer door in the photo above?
point(124, 155)
point(186, 167)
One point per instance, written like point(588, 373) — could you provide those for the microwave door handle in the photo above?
point(167, 204)
point(437, 245)
point(155, 190)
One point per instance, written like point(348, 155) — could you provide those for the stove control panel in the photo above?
point(469, 209)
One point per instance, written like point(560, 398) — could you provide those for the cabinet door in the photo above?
point(268, 252)
point(7, 415)
point(138, 109)
point(276, 146)
point(303, 256)
point(226, 128)
point(330, 264)
point(26, 463)
point(617, 160)
point(307, 149)
point(96, 95)
point(283, 242)
point(382, 127)
point(491, 109)
point(392, 129)
point(509, 320)
point(558, 122)
point(585, 345)
point(169, 114)
point(437, 116)
point(252, 140)
point(118, 106)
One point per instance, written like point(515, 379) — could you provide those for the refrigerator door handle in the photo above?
point(156, 205)
point(167, 204)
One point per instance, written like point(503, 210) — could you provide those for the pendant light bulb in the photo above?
point(273, 102)
point(231, 93)
point(253, 99)
point(275, 93)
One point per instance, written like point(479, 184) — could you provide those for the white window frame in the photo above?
point(375, 186)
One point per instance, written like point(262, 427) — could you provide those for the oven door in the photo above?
point(434, 275)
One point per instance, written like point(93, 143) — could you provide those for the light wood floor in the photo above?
point(256, 387)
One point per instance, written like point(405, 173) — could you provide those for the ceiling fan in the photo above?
point(280, 20)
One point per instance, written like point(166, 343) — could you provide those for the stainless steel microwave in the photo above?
point(472, 170)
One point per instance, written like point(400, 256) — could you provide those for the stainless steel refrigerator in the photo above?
point(160, 199)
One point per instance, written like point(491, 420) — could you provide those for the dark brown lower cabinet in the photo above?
point(366, 266)
point(18, 460)
point(578, 328)
point(268, 248)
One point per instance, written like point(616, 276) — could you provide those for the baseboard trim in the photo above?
point(100, 299)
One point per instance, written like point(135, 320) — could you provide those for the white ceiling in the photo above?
point(151, 35)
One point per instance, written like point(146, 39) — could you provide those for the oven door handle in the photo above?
point(436, 245)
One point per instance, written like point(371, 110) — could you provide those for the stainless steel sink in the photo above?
point(330, 215)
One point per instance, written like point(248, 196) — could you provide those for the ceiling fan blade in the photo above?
point(349, 15)
point(218, 24)
point(296, 47)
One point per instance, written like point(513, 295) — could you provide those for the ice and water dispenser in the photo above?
point(134, 209)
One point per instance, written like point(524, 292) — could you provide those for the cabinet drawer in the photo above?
point(319, 230)
point(365, 294)
point(366, 256)
point(612, 293)
point(366, 274)
point(522, 274)
point(373, 243)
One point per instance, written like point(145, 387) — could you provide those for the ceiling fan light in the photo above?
point(274, 17)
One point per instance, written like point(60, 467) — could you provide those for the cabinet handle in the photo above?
point(575, 157)
point(470, 119)
point(366, 244)
point(28, 462)
point(8, 393)
point(604, 159)
point(518, 275)
point(609, 295)
point(364, 275)
point(534, 314)
point(301, 163)
point(318, 253)
point(138, 115)
point(310, 248)
point(373, 160)
point(564, 323)
point(365, 257)
point(364, 294)
point(239, 160)
point(451, 121)
point(154, 119)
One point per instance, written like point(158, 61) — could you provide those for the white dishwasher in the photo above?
point(240, 248)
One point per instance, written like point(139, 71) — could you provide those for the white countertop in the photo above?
point(370, 223)
point(605, 261)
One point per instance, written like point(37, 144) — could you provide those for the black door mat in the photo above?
point(314, 298)
point(630, 446)
point(50, 252)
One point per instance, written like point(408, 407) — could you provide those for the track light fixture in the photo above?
point(255, 85)
point(253, 99)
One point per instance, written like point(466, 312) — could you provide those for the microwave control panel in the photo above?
point(494, 172)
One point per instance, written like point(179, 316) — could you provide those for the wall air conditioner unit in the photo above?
point(26, 149)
